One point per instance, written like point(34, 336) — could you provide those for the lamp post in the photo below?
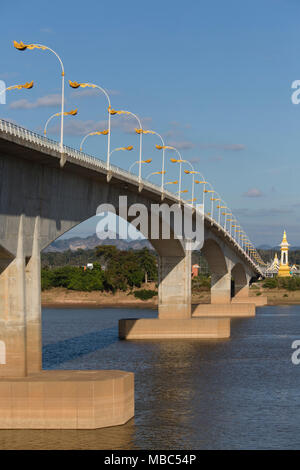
point(171, 182)
point(225, 218)
point(212, 192)
point(138, 131)
point(128, 148)
point(110, 111)
point(26, 86)
point(180, 160)
point(193, 172)
point(104, 132)
point(22, 47)
point(221, 207)
point(73, 112)
point(162, 172)
point(155, 173)
point(203, 193)
point(219, 199)
point(140, 163)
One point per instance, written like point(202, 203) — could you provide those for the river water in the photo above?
point(240, 393)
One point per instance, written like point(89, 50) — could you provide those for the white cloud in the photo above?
point(230, 147)
point(269, 212)
point(182, 144)
point(44, 101)
point(81, 128)
point(253, 192)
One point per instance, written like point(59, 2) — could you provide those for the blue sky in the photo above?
point(213, 77)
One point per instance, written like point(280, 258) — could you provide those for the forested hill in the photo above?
point(92, 241)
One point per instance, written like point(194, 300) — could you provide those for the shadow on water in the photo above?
point(73, 348)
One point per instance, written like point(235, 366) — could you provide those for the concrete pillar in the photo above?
point(241, 281)
point(33, 305)
point(13, 314)
point(174, 289)
point(221, 288)
point(241, 291)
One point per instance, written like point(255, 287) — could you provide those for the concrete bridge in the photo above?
point(39, 201)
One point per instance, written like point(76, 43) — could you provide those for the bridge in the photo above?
point(39, 201)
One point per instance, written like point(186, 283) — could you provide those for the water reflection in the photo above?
point(237, 393)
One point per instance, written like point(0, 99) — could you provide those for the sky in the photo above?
point(212, 77)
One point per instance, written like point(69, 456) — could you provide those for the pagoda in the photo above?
point(284, 269)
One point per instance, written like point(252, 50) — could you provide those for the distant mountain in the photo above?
point(90, 242)
point(276, 248)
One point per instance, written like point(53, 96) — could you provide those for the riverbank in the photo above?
point(60, 297)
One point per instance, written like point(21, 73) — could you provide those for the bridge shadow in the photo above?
point(69, 349)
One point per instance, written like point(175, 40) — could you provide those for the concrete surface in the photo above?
point(67, 399)
point(154, 328)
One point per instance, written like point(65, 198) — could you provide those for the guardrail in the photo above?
point(29, 136)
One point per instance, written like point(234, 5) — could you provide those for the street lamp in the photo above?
point(129, 148)
point(92, 85)
point(204, 184)
point(147, 131)
point(73, 112)
point(193, 172)
point(138, 131)
point(105, 132)
point(155, 173)
point(22, 47)
point(26, 86)
point(212, 192)
point(139, 162)
point(219, 206)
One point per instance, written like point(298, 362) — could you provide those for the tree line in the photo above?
point(113, 269)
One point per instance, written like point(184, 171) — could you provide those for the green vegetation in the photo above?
point(289, 283)
point(145, 294)
point(114, 270)
point(201, 283)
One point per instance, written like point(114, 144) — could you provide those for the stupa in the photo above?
point(284, 269)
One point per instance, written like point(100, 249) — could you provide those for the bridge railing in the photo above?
point(30, 136)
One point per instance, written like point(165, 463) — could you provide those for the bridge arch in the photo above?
point(220, 275)
point(215, 257)
point(240, 280)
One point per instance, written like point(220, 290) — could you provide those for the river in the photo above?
point(240, 393)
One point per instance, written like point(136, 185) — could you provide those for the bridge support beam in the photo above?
point(221, 288)
point(174, 289)
point(33, 305)
point(241, 289)
point(174, 308)
point(29, 397)
point(13, 312)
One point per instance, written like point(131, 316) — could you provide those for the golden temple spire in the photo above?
point(284, 240)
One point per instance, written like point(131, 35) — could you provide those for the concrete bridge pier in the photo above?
point(242, 280)
point(37, 399)
point(174, 308)
point(174, 291)
point(220, 292)
point(223, 267)
point(13, 309)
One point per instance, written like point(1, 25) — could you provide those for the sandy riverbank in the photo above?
point(63, 298)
